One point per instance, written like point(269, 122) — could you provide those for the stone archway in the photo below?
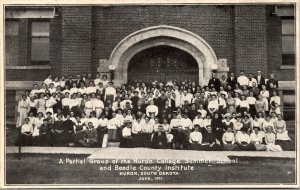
point(163, 35)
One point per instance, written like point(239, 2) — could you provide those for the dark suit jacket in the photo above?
point(162, 138)
point(194, 89)
point(272, 81)
point(262, 81)
point(216, 82)
point(172, 103)
point(232, 82)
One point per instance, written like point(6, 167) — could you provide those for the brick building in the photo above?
point(196, 40)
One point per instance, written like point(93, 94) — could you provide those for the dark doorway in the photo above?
point(162, 63)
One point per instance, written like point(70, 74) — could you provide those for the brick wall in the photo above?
point(23, 42)
point(213, 23)
point(250, 38)
point(76, 40)
point(274, 47)
point(55, 44)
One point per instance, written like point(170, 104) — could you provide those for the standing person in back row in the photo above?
point(23, 109)
point(110, 92)
point(214, 82)
point(272, 83)
point(151, 109)
point(242, 80)
point(231, 80)
point(260, 79)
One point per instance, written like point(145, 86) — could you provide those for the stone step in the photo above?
point(158, 155)
point(113, 144)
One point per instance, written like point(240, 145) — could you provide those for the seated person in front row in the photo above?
point(68, 131)
point(26, 133)
point(80, 128)
point(57, 129)
point(243, 141)
point(210, 141)
point(282, 137)
point(179, 139)
point(229, 140)
point(45, 134)
point(159, 138)
point(195, 138)
point(256, 139)
point(90, 137)
point(126, 140)
point(270, 140)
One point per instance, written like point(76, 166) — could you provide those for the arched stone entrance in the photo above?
point(167, 36)
point(162, 64)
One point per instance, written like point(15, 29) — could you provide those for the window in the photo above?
point(40, 42)
point(288, 41)
point(11, 42)
point(10, 105)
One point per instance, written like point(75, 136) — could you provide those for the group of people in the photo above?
point(230, 113)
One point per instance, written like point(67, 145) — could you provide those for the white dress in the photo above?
point(41, 106)
point(23, 109)
point(281, 132)
point(88, 107)
point(98, 107)
point(270, 141)
point(265, 94)
point(38, 122)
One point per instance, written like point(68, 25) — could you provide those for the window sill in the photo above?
point(20, 85)
point(286, 85)
point(42, 67)
point(287, 67)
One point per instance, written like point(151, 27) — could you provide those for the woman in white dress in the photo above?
point(36, 130)
point(280, 128)
point(266, 95)
point(23, 109)
point(282, 137)
point(50, 102)
point(256, 138)
point(258, 124)
point(41, 104)
point(268, 123)
point(48, 80)
point(275, 98)
point(270, 141)
point(102, 131)
point(43, 88)
point(88, 107)
point(62, 81)
point(113, 125)
point(260, 105)
point(56, 82)
point(98, 106)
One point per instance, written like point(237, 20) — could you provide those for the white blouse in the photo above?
point(103, 122)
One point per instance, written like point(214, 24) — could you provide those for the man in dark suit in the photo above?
point(135, 99)
point(260, 79)
point(78, 80)
point(193, 87)
point(171, 101)
point(231, 80)
point(159, 138)
point(272, 83)
point(214, 82)
point(69, 81)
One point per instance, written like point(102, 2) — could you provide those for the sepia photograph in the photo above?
point(152, 95)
